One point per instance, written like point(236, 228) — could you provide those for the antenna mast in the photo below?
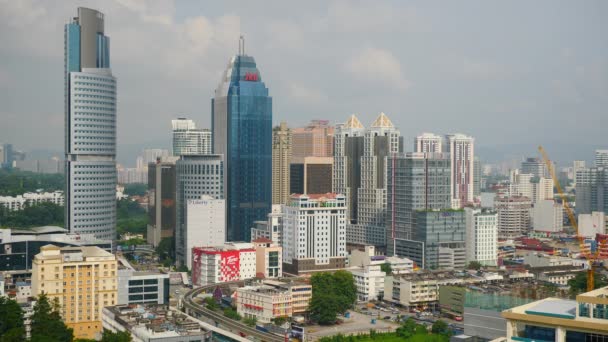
point(241, 45)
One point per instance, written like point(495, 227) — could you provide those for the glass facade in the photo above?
point(242, 132)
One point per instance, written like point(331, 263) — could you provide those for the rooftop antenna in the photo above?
point(242, 45)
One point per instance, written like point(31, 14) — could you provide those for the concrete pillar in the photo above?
point(511, 330)
point(560, 334)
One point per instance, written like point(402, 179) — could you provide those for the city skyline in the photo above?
point(481, 81)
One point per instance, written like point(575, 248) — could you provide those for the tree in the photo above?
point(230, 313)
point(386, 268)
point(47, 324)
point(250, 321)
point(130, 217)
point(331, 294)
point(440, 327)
point(42, 214)
point(16, 182)
point(407, 329)
point(578, 284)
point(210, 303)
point(279, 321)
point(474, 265)
point(166, 250)
point(11, 321)
point(135, 189)
point(119, 336)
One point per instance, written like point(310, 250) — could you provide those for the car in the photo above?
point(387, 317)
point(177, 291)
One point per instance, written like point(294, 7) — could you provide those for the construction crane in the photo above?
point(591, 257)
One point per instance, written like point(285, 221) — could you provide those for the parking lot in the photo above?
point(355, 324)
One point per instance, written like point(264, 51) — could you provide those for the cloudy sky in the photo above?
point(514, 74)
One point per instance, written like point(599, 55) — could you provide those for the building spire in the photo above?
point(241, 45)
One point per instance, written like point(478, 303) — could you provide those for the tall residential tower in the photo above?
point(281, 158)
point(90, 128)
point(189, 140)
point(242, 132)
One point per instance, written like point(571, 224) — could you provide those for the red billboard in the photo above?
point(230, 266)
point(196, 265)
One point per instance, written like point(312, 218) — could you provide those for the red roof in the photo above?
point(262, 240)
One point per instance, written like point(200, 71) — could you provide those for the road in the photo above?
point(219, 320)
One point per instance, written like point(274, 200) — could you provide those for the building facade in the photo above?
point(415, 181)
point(189, 140)
point(462, 154)
point(20, 202)
point(242, 132)
point(592, 190)
point(161, 200)
point(268, 258)
point(362, 155)
point(142, 287)
point(428, 143)
point(534, 166)
point(514, 216)
point(220, 264)
point(548, 216)
point(264, 303)
point(83, 279)
point(90, 127)
point(482, 236)
point(311, 175)
point(314, 233)
point(205, 224)
point(281, 158)
point(272, 228)
point(196, 176)
point(601, 158)
point(314, 140)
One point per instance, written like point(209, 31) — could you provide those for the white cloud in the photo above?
point(303, 94)
point(377, 66)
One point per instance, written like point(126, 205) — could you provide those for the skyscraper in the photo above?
point(281, 158)
point(314, 140)
point(196, 176)
point(380, 142)
point(415, 181)
point(462, 153)
point(189, 140)
point(592, 190)
point(534, 166)
point(242, 132)
point(513, 216)
point(90, 127)
point(601, 158)
point(161, 200)
point(428, 142)
point(482, 236)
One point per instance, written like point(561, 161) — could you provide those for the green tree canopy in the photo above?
point(386, 268)
point(11, 321)
point(331, 294)
point(15, 182)
point(131, 217)
point(120, 336)
point(578, 284)
point(47, 324)
point(42, 214)
point(441, 327)
point(474, 265)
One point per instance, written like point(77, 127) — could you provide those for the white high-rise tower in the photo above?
point(462, 152)
point(90, 128)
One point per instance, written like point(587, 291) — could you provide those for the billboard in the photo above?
point(230, 267)
point(196, 266)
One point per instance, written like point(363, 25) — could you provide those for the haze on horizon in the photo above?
point(511, 73)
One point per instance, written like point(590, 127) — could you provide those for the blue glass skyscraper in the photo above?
point(242, 132)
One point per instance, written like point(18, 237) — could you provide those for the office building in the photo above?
point(348, 150)
point(205, 224)
point(482, 236)
point(189, 140)
point(361, 159)
point(428, 143)
point(272, 228)
point(368, 257)
point(139, 287)
point(601, 158)
point(281, 158)
point(592, 190)
point(314, 140)
point(438, 239)
point(476, 178)
point(462, 153)
point(83, 280)
point(535, 166)
point(224, 263)
point(90, 132)
point(314, 233)
point(369, 281)
point(311, 175)
point(560, 320)
point(49, 166)
point(196, 176)
point(589, 225)
point(151, 155)
point(415, 181)
point(548, 216)
point(6, 156)
point(18, 247)
point(420, 289)
point(577, 165)
point(263, 303)
point(242, 132)
point(161, 200)
point(269, 258)
point(514, 216)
